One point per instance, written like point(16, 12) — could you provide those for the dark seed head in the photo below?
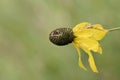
point(61, 36)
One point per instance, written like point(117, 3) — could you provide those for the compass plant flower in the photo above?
point(83, 36)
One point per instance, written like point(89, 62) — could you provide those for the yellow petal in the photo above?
point(91, 60)
point(99, 31)
point(84, 33)
point(80, 26)
point(98, 27)
point(88, 43)
point(80, 61)
point(94, 31)
point(99, 50)
point(76, 42)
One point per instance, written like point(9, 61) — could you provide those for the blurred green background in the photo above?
point(27, 54)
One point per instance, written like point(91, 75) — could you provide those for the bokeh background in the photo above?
point(27, 54)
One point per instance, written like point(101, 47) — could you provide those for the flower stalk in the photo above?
point(113, 29)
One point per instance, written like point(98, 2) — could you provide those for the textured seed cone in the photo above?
point(61, 36)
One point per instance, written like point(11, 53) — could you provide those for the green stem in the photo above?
point(112, 29)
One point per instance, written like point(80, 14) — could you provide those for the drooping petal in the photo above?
point(80, 61)
point(90, 44)
point(99, 50)
point(76, 42)
point(91, 60)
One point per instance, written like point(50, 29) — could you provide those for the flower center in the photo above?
point(61, 36)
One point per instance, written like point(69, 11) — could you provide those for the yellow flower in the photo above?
point(86, 38)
